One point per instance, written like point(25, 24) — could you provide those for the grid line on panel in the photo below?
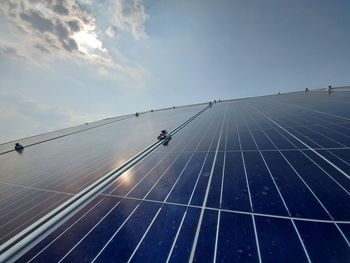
point(341, 232)
point(310, 148)
point(117, 231)
point(221, 189)
point(291, 117)
point(308, 157)
point(143, 199)
point(339, 184)
point(191, 196)
point(310, 125)
point(193, 250)
point(142, 238)
point(158, 143)
point(235, 211)
point(182, 171)
point(324, 127)
point(321, 112)
point(148, 173)
point(302, 151)
point(250, 197)
point(253, 125)
point(67, 229)
point(183, 217)
point(41, 213)
point(192, 139)
point(36, 188)
point(280, 194)
point(91, 229)
point(274, 150)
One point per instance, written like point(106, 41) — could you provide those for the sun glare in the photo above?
point(87, 39)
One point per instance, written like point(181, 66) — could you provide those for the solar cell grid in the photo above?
point(249, 181)
point(65, 166)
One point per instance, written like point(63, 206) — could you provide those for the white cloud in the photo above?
point(64, 29)
point(129, 15)
point(48, 23)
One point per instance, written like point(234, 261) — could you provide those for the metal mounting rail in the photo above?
point(29, 237)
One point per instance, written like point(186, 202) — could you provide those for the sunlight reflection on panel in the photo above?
point(126, 178)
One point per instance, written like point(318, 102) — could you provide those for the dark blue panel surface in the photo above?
point(185, 186)
point(323, 242)
point(346, 230)
point(162, 188)
point(157, 244)
point(125, 241)
point(232, 136)
point(236, 242)
point(13, 223)
point(263, 192)
point(201, 186)
point(206, 241)
point(99, 236)
point(344, 156)
point(340, 138)
point(262, 140)
point(298, 198)
point(148, 181)
point(335, 199)
point(279, 241)
point(68, 233)
point(331, 170)
point(183, 245)
point(215, 186)
point(247, 142)
point(317, 138)
point(235, 192)
point(205, 144)
point(278, 139)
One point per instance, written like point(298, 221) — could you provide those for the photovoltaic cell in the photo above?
point(64, 166)
point(264, 179)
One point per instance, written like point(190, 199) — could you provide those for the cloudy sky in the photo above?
point(66, 62)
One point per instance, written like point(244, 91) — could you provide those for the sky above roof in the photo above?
point(67, 62)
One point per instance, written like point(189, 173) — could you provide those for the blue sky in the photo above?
point(66, 62)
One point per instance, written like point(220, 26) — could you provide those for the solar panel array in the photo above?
point(255, 180)
point(49, 172)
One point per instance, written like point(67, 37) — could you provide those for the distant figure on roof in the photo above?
point(18, 147)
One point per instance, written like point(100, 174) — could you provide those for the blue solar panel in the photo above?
point(255, 180)
point(47, 174)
